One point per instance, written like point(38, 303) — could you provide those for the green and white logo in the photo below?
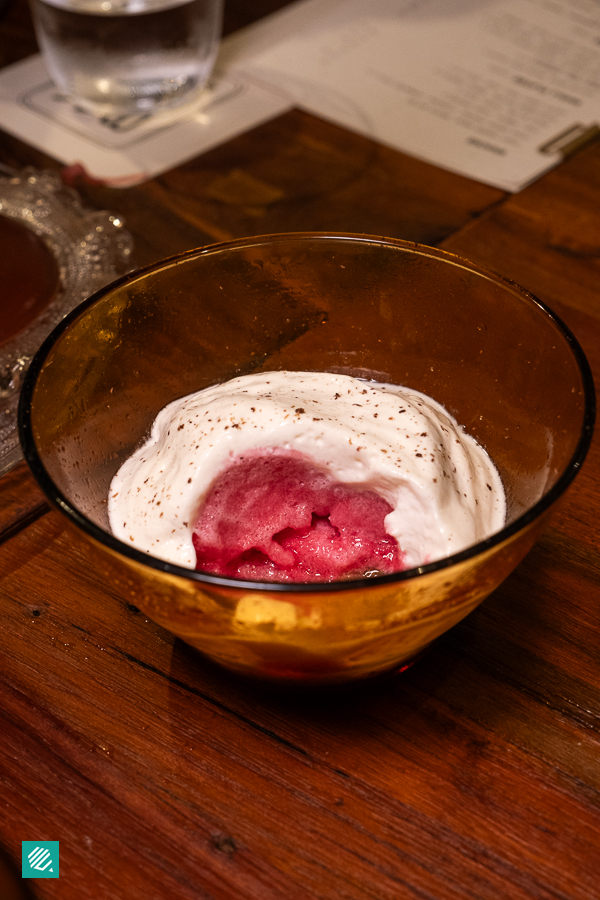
point(39, 859)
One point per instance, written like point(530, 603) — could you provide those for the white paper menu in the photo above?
point(491, 89)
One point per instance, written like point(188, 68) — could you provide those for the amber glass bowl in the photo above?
point(493, 355)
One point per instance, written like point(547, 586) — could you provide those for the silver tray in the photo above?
point(91, 248)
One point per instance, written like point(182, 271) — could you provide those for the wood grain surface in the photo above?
point(21, 501)
point(475, 774)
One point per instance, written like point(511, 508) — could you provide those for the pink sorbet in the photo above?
point(272, 515)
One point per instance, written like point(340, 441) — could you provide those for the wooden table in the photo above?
point(476, 774)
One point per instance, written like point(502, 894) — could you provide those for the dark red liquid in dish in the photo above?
point(29, 277)
point(274, 516)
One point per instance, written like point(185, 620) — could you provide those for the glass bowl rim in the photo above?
point(105, 538)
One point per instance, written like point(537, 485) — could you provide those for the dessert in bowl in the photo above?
point(371, 308)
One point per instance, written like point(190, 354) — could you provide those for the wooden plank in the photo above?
point(465, 777)
point(546, 237)
point(294, 173)
point(21, 501)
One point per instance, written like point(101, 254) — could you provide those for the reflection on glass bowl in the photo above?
point(494, 356)
point(66, 253)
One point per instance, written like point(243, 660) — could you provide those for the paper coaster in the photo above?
point(131, 149)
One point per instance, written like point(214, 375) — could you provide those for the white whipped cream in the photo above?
point(444, 490)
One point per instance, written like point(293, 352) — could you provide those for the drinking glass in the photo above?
point(117, 58)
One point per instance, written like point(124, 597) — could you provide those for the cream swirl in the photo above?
point(444, 489)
